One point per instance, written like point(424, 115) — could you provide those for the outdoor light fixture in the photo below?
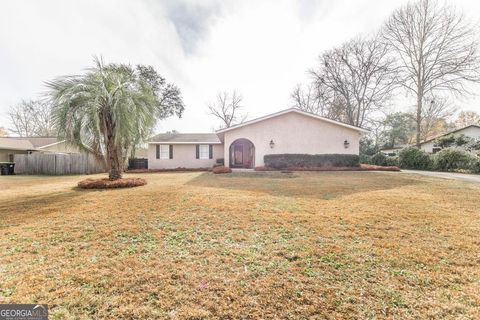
point(272, 144)
point(346, 144)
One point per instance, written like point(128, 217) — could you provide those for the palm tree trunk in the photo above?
point(114, 156)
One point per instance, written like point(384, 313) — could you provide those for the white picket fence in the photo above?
point(57, 163)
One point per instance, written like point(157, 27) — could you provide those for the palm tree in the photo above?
point(110, 108)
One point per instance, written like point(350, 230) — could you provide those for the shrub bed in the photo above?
point(282, 161)
point(414, 158)
point(221, 169)
point(451, 159)
point(105, 183)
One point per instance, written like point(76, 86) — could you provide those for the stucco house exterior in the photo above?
point(245, 145)
point(472, 131)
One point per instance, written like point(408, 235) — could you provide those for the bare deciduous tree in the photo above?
point(312, 99)
point(358, 77)
point(466, 118)
point(306, 99)
point(32, 118)
point(433, 117)
point(3, 132)
point(436, 50)
point(228, 109)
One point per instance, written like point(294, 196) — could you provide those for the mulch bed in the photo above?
point(221, 169)
point(105, 183)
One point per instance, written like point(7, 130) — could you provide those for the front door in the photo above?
point(238, 155)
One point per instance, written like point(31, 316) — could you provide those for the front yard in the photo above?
point(255, 245)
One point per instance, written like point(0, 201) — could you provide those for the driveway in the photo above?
point(447, 175)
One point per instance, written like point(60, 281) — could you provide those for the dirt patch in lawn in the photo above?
point(189, 245)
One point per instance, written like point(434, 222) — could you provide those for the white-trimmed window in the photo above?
point(204, 151)
point(164, 151)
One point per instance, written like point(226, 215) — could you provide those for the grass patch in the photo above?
point(320, 245)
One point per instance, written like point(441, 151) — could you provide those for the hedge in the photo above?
point(282, 161)
point(453, 159)
point(414, 158)
point(379, 159)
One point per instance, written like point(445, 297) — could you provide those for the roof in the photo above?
point(450, 132)
point(185, 138)
point(308, 114)
point(37, 142)
point(16, 144)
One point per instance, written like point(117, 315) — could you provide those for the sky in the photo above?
point(260, 48)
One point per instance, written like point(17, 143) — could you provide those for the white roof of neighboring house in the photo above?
point(16, 144)
point(185, 138)
point(276, 114)
point(30, 143)
point(450, 132)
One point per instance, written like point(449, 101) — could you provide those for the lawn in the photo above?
point(261, 245)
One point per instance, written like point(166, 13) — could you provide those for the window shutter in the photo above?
point(197, 151)
point(210, 151)
point(170, 149)
point(158, 151)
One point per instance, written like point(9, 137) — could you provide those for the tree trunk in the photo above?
point(116, 169)
point(419, 115)
point(114, 157)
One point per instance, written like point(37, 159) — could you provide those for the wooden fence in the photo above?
point(57, 164)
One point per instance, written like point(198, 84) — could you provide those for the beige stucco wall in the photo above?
point(4, 154)
point(294, 133)
point(473, 132)
point(184, 156)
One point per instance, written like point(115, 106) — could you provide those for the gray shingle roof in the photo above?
point(16, 144)
point(186, 138)
point(37, 142)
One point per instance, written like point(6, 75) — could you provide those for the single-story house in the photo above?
point(472, 131)
point(244, 145)
point(393, 151)
point(9, 146)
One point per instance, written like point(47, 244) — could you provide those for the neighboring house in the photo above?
point(9, 146)
point(393, 151)
point(472, 131)
point(245, 145)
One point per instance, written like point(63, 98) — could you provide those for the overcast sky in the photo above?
point(261, 48)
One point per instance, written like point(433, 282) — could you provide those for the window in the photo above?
point(204, 151)
point(163, 151)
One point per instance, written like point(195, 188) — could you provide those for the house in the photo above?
point(9, 146)
point(393, 151)
point(245, 145)
point(472, 131)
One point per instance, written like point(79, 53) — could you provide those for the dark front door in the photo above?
point(238, 155)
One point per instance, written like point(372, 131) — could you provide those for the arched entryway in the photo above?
point(242, 154)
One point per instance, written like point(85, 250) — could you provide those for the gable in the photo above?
point(289, 112)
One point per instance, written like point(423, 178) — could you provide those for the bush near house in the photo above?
point(380, 159)
point(452, 159)
point(475, 165)
point(282, 161)
point(414, 158)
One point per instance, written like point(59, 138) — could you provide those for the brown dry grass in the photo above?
point(245, 245)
